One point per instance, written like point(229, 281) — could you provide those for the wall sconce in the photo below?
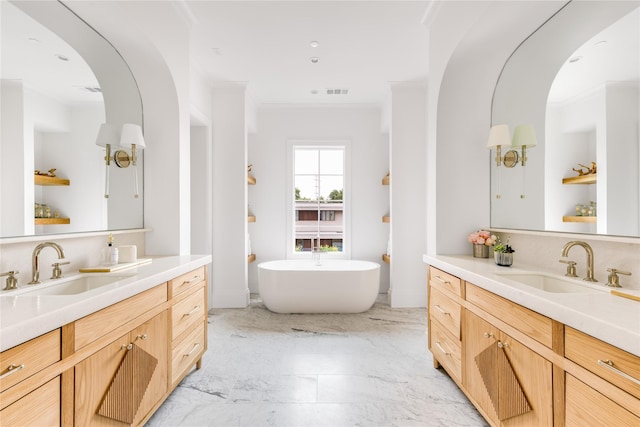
point(499, 137)
point(132, 138)
point(107, 136)
point(523, 136)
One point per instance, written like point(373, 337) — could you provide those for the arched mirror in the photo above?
point(576, 80)
point(60, 81)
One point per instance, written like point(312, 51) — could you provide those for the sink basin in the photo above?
point(74, 286)
point(550, 283)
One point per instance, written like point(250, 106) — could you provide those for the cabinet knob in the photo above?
point(488, 334)
point(127, 346)
point(142, 337)
point(502, 344)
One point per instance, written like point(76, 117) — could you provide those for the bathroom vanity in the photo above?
point(525, 356)
point(105, 356)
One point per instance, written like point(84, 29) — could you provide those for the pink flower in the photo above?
point(482, 237)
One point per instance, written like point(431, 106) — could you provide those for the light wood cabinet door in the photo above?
point(533, 372)
point(156, 344)
point(94, 375)
point(39, 408)
point(477, 336)
point(92, 379)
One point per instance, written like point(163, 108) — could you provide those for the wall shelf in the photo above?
point(386, 258)
point(584, 179)
point(251, 258)
point(386, 218)
point(251, 180)
point(579, 219)
point(49, 180)
point(52, 221)
point(251, 218)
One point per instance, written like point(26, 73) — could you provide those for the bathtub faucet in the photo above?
point(315, 254)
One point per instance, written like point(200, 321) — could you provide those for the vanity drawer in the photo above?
point(186, 281)
point(39, 408)
point(445, 310)
point(29, 358)
point(527, 321)
point(187, 312)
point(445, 281)
point(96, 325)
point(446, 349)
point(586, 406)
point(586, 351)
point(187, 351)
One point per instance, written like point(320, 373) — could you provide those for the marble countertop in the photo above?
point(610, 318)
point(26, 316)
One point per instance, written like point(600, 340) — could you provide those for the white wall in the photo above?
point(229, 271)
point(407, 192)
point(369, 164)
point(15, 162)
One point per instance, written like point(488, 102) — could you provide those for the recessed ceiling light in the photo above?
point(575, 59)
point(315, 60)
point(61, 57)
point(314, 92)
point(314, 44)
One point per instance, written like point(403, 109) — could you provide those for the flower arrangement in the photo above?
point(482, 237)
point(504, 248)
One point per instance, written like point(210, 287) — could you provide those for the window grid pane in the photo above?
point(319, 208)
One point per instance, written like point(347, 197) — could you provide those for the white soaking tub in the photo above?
point(334, 286)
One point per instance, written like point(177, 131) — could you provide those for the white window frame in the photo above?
point(346, 201)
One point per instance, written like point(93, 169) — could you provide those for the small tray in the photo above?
point(117, 267)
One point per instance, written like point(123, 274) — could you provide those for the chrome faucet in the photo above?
point(588, 250)
point(34, 259)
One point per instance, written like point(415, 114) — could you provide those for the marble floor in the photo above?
point(267, 369)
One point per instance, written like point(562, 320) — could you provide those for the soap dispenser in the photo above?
point(110, 254)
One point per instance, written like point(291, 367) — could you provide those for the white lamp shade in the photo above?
point(524, 136)
point(499, 136)
point(107, 135)
point(131, 135)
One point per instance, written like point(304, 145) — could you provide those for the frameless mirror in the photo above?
point(576, 80)
point(60, 81)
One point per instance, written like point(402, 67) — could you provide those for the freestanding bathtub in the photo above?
point(334, 286)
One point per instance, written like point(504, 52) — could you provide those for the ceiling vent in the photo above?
point(337, 91)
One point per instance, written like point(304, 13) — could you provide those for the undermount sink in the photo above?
point(74, 286)
point(551, 283)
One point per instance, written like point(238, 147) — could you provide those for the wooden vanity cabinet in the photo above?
point(561, 370)
point(188, 323)
point(94, 375)
point(445, 312)
point(457, 334)
point(533, 373)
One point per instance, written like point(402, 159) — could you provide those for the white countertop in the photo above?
point(608, 317)
point(23, 317)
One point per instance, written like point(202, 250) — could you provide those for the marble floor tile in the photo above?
point(370, 369)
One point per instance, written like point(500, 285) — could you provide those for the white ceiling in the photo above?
point(613, 55)
point(30, 53)
point(363, 46)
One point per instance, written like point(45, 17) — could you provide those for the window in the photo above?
point(318, 198)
